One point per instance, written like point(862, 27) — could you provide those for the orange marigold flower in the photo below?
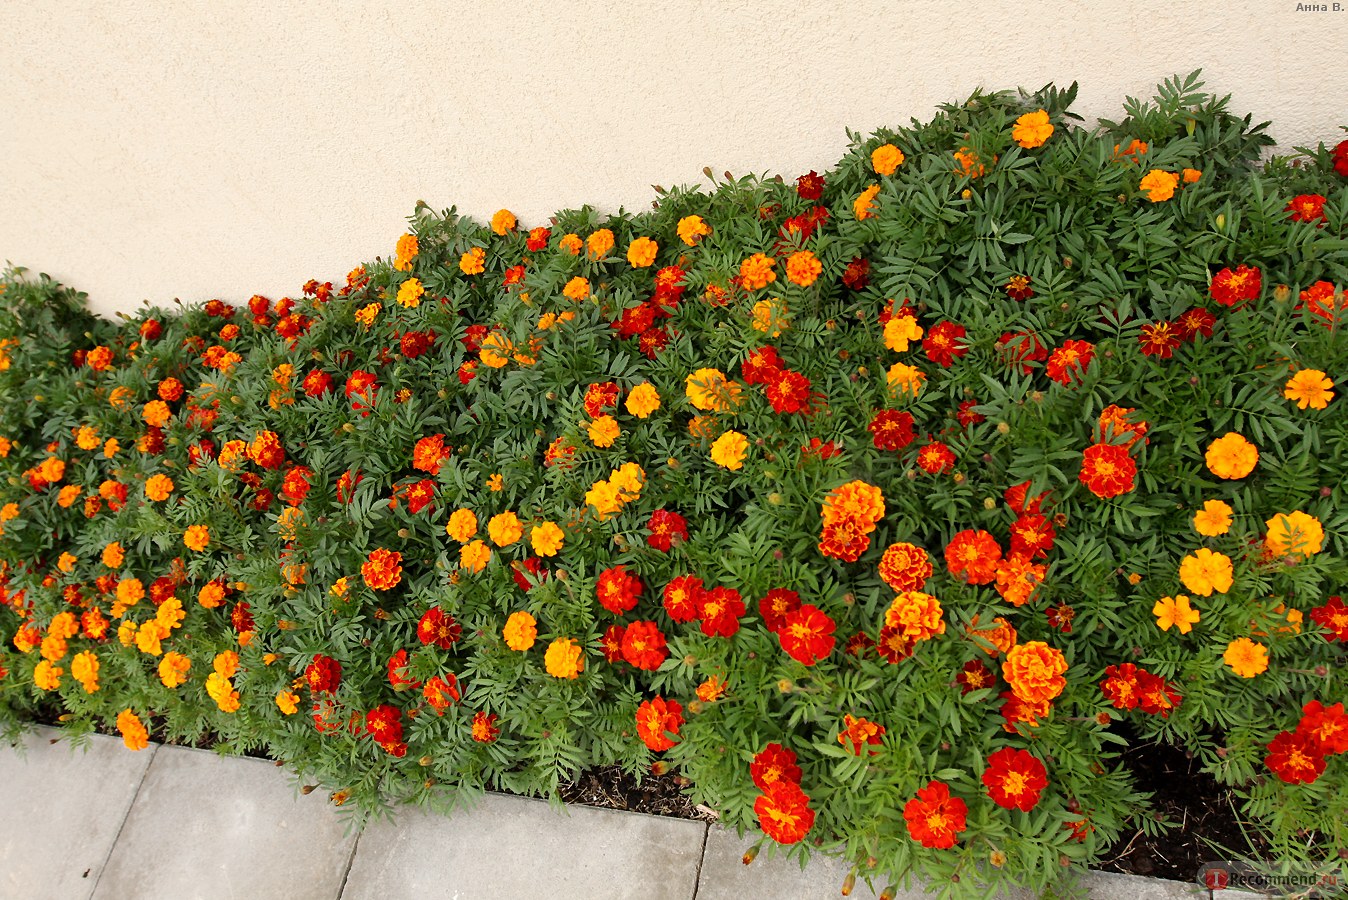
point(916, 614)
point(1213, 519)
point(382, 569)
point(576, 289)
point(860, 733)
point(504, 529)
point(1309, 388)
point(196, 537)
point(1108, 470)
point(603, 431)
point(864, 206)
point(1294, 533)
point(728, 450)
point(1015, 778)
point(410, 293)
point(113, 555)
point(546, 539)
point(173, 669)
point(158, 487)
point(656, 718)
point(571, 243)
point(756, 272)
point(901, 329)
point(784, 813)
point(503, 221)
point(1246, 658)
point(857, 502)
point(520, 632)
point(84, 669)
point(1018, 578)
point(474, 556)
point(643, 400)
point(641, 252)
point(1205, 571)
point(886, 159)
point(133, 731)
point(1159, 185)
point(1175, 611)
point(599, 244)
point(1032, 129)
point(692, 229)
point(473, 262)
point(404, 252)
point(709, 389)
point(1034, 671)
point(905, 567)
point(973, 556)
point(803, 268)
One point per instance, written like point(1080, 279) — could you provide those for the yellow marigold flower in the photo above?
point(643, 400)
point(126, 633)
point(148, 638)
point(546, 539)
point(232, 456)
point(576, 289)
point(196, 537)
point(495, 482)
point(170, 614)
point(288, 702)
point(46, 676)
point(504, 529)
point(473, 262)
point(1190, 175)
point(1246, 658)
point(628, 479)
point(1231, 456)
point(410, 292)
point(173, 669)
point(803, 268)
point(1213, 519)
point(770, 316)
point(474, 556)
point(67, 562)
point(641, 252)
point(905, 379)
point(1175, 611)
point(113, 557)
point(692, 229)
point(886, 159)
point(864, 206)
point(404, 252)
point(1294, 533)
point(84, 669)
point(1159, 185)
point(368, 313)
point(1309, 388)
point(1032, 129)
point(520, 632)
point(1205, 571)
point(605, 498)
point(503, 221)
point(86, 437)
point(110, 448)
point(221, 690)
point(729, 449)
point(603, 431)
point(9, 511)
point(899, 330)
point(158, 487)
point(133, 732)
point(571, 243)
point(564, 658)
point(917, 614)
point(462, 525)
point(708, 389)
point(599, 244)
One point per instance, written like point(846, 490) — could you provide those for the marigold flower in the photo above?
point(900, 330)
point(692, 229)
point(1213, 519)
point(783, 812)
point(1246, 658)
point(1205, 571)
point(571, 243)
point(1159, 185)
point(886, 159)
point(576, 289)
point(711, 690)
point(1034, 670)
point(1309, 388)
point(1069, 362)
point(173, 669)
point(196, 537)
point(47, 675)
point(863, 207)
point(84, 669)
point(860, 733)
point(973, 556)
point(1231, 456)
point(720, 609)
point(641, 252)
point(643, 400)
point(770, 317)
point(1032, 129)
point(934, 818)
point(803, 268)
point(905, 567)
point(599, 244)
point(462, 525)
point(546, 539)
point(1175, 611)
point(756, 272)
point(1295, 758)
point(656, 719)
point(503, 222)
point(505, 529)
point(1018, 578)
point(404, 252)
point(904, 380)
point(520, 632)
point(1307, 208)
point(474, 556)
point(1015, 779)
point(643, 646)
point(287, 702)
point(410, 293)
point(1107, 470)
point(133, 731)
point(806, 634)
point(603, 431)
point(774, 764)
point(1234, 287)
point(729, 449)
point(473, 262)
point(382, 569)
point(1326, 725)
point(1295, 533)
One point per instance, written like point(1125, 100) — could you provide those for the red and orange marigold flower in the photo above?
point(783, 812)
point(1015, 779)
point(656, 719)
point(617, 590)
point(973, 556)
point(860, 733)
point(439, 628)
point(905, 567)
point(1108, 470)
point(382, 570)
point(935, 819)
point(806, 634)
point(1233, 288)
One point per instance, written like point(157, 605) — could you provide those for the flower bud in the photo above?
point(750, 855)
point(425, 761)
point(964, 195)
point(989, 503)
point(308, 789)
point(1003, 428)
point(850, 881)
point(785, 686)
point(1221, 221)
point(1282, 293)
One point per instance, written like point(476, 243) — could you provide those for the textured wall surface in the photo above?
point(244, 147)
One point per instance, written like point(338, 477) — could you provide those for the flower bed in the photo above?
point(874, 503)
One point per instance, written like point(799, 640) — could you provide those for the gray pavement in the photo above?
point(181, 824)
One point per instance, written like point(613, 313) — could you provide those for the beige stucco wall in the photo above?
point(245, 147)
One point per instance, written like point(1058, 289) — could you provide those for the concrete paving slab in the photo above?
point(509, 847)
point(63, 810)
point(205, 826)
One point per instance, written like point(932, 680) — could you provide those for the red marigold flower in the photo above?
point(1326, 725)
point(857, 275)
point(420, 495)
point(1324, 302)
point(1107, 470)
point(346, 485)
point(1018, 288)
point(513, 275)
point(1120, 686)
point(720, 612)
point(430, 453)
point(776, 605)
point(1060, 617)
point(538, 239)
point(296, 485)
point(384, 724)
point(644, 646)
point(473, 336)
point(656, 718)
point(324, 674)
point(859, 645)
point(382, 570)
point(761, 366)
point(1069, 362)
point(1230, 288)
point(266, 450)
point(666, 529)
point(683, 598)
point(485, 729)
point(788, 391)
point(807, 634)
point(599, 397)
point(1295, 758)
point(1307, 208)
point(894, 644)
point(617, 590)
point(973, 555)
point(891, 429)
point(1159, 339)
point(397, 673)
point(441, 692)
point(772, 764)
point(783, 812)
point(943, 343)
point(1155, 695)
point(439, 628)
point(317, 383)
point(1333, 618)
point(844, 540)
point(612, 643)
point(1194, 322)
point(1032, 534)
point(634, 320)
point(1115, 422)
point(415, 343)
point(905, 567)
point(1021, 348)
point(1015, 778)
point(360, 389)
point(821, 449)
point(936, 458)
point(966, 415)
point(669, 288)
point(241, 617)
point(652, 342)
point(810, 186)
point(1017, 710)
point(974, 677)
point(1017, 498)
point(1341, 158)
point(935, 819)
point(860, 733)
point(522, 570)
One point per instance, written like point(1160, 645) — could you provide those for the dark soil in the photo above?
point(612, 788)
point(1202, 812)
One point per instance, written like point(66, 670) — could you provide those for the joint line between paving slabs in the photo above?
point(701, 858)
point(93, 888)
point(350, 860)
